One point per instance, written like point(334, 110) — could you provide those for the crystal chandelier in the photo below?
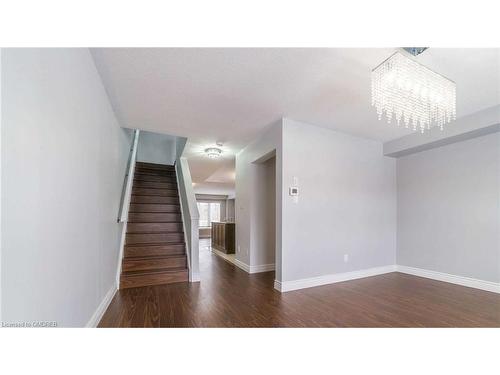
point(412, 93)
point(213, 152)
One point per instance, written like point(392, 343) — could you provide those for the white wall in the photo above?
point(249, 250)
point(449, 209)
point(347, 203)
point(267, 212)
point(483, 122)
point(214, 188)
point(437, 210)
point(64, 157)
point(190, 215)
point(180, 146)
point(156, 148)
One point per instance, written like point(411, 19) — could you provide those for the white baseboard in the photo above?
point(101, 309)
point(277, 285)
point(228, 257)
point(286, 286)
point(245, 267)
point(262, 268)
point(253, 269)
point(194, 277)
point(453, 279)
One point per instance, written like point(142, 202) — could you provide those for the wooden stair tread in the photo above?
point(153, 272)
point(153, 199)
point(176, 205)
point(156, 192)
point(154, 217)
point(152, 171)
point(152, 257)
point(155, 228)
point(153, 222)
point(151, 175)
point(156, 210)
point(154, 251)
point(154, 177)
point(147, 238)
point(156, 222)
point(153, 167)
point(134, 279)
point(156, 165)
point(144, 250)
point(150, 263)
point(155, 185)
point(160, 221)
point(154, 189)
point(162, 232)
point(159, 188)
point(157, 244)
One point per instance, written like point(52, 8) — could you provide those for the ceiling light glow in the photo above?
point(213, 152)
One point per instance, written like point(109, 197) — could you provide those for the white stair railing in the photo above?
point(128, 181)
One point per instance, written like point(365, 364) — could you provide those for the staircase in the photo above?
point(155, 252)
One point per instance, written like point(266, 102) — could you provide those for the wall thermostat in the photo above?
point(293, 191)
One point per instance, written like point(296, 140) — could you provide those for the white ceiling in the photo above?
point(211, 176)
point(232, 94)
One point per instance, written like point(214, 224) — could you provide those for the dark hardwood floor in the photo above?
point(229, 297)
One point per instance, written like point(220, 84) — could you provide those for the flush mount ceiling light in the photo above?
point(213, 152)
point(412, 93)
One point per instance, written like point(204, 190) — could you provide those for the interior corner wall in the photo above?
point(449, 209)
point(248, 248)
point(63, 162)
point(156, 148)
point(180, 145)
point(266, 224)
point(346, 203)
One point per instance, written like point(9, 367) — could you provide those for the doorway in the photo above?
point(264, 254)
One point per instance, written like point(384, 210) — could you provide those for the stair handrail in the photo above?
point(128, 179)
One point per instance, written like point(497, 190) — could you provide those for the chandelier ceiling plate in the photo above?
point(415, 51)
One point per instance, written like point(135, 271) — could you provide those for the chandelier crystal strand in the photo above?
point(412, 94)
